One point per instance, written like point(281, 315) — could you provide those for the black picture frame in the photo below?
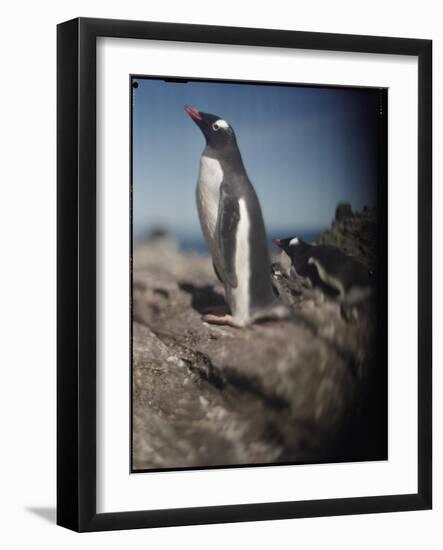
point(76, 279)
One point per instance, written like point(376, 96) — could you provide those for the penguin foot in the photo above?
point(219, 319)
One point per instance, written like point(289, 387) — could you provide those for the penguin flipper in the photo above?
point(328, 280)
point(228, 218)
point(217, 272)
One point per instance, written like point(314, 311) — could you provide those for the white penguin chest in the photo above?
point(208, 194)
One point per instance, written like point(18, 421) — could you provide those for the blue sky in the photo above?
point(304, 148)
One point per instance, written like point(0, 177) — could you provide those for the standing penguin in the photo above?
point(329, 269)
point(232, 224)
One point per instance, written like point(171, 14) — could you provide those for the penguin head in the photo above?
point(218, 132)
point(293, 246)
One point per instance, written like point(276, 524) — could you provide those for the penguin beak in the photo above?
point(277, 242)
point(193, 113)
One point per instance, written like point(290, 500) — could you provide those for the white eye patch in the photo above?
point(220, 124)
point(293, 241)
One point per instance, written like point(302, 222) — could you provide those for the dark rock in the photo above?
point(343, 211)
point(356, 235)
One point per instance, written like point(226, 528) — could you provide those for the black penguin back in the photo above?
point(340, 266)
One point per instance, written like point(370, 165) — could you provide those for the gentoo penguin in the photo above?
point(232, 224)
point(328, 268)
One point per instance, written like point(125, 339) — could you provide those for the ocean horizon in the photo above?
point(194, 241)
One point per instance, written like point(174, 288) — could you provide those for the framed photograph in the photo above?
point(244, 274)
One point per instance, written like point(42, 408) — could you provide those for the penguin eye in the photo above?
point(215, 127)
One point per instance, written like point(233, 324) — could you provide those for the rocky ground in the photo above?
point(354, 233)
point(302, 390)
